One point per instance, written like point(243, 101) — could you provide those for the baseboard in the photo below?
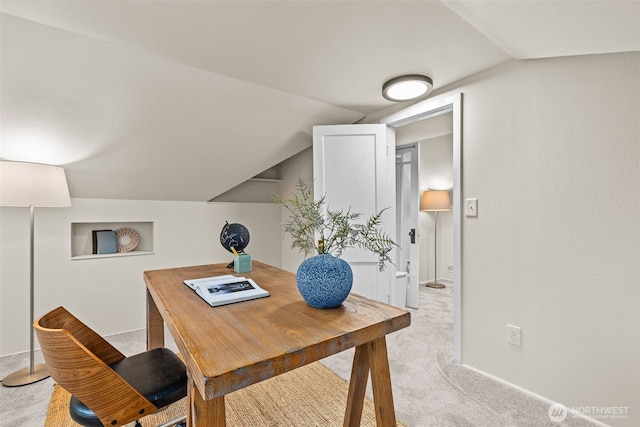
point(37, 349)
point(572, 413)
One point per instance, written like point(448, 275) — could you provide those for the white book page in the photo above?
point(221, 290)
point(209, 280)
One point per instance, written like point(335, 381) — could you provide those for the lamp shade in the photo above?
point(435, 200)
point(33, 184)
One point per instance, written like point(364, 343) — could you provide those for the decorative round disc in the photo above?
point(126, 239)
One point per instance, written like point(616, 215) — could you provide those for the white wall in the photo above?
point(298, 166)
point(551, 150)
point(109, 293)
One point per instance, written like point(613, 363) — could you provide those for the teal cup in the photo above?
point(242, 263)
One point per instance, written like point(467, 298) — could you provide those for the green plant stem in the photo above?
point(336, 228)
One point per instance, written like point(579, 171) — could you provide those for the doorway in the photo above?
point(428, 109)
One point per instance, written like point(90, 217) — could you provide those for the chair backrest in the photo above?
point(78, 360)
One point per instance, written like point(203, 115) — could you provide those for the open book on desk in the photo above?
point(227, 289)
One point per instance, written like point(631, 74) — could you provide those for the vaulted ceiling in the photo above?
point(183, 100)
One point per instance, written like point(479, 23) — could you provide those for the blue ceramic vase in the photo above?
point(324, 281)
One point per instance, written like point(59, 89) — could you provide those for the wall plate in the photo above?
point(471, 208)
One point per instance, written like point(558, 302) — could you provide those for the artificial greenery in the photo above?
point(333, 231)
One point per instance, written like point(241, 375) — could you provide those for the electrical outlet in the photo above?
point(514, 335)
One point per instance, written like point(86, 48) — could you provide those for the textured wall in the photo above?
point(551, 150)
point(298, 166)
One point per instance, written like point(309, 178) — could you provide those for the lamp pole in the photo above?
point(435, 284)
point(25, 184)
point(33, 373)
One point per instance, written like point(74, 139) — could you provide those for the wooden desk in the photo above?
point(230, 347)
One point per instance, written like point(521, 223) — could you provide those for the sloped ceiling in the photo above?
point(183, 100)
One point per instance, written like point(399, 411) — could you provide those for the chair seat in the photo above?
point(159, 375)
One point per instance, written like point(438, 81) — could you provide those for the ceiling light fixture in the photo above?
point(404, 88)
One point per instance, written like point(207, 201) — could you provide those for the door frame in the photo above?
point(414, 258)
point(424, 110)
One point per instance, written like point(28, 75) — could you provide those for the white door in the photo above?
point(407, 209)
point(353, 167)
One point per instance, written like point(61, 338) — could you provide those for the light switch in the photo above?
point(471, 207)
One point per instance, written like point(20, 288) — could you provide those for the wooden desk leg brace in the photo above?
point(370, 357)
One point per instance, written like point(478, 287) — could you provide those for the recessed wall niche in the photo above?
point(82, 238)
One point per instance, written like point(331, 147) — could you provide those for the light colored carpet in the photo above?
point(308, 396)
point(431, 390)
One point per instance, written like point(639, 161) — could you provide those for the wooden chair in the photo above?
point(108, 388)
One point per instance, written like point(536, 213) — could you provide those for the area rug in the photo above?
point(309, 396)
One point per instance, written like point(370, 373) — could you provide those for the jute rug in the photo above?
point(309, 396)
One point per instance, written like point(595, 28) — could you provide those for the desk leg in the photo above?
point(371, 357)
point(381, 383)
point(357, 387)
point(204, 413)
point(155, 325)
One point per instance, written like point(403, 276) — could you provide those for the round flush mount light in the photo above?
point(404, 88)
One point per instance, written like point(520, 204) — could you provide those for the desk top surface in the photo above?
point(236, 345)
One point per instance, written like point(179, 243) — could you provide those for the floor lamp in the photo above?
point(31, 185)
point(435, 201)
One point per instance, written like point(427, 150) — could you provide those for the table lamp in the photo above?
point(435, 201)
point(31, 185)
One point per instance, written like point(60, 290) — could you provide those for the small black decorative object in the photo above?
point(234, 236)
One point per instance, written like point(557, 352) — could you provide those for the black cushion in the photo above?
point(159, 375)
